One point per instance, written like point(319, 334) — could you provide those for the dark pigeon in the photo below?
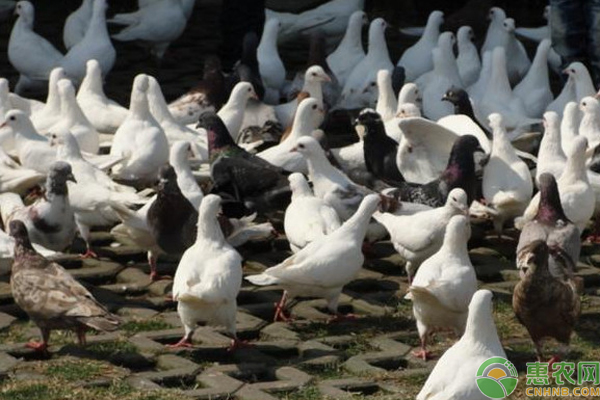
point(552, 226)
point(246, 69)
point(462, 105)
point(548, 307)
point(462, 172)
point(172, 218)
point(380, 150)
point(242, 176)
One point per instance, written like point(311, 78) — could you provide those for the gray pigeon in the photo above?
point(553, 227)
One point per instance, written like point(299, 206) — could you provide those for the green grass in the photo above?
point(75, 370)
point(307, 393)
point(107, 349)
point(136, 326)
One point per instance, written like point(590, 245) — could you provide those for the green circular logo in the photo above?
point(497, 378)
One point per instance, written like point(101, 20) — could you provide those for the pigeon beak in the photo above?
point(254, 96)
point(444, 98)
point(465, 210)
point(327, 78)
point(71, 178)
point(2, 125)
point(293, 149)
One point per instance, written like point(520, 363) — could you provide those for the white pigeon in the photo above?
point(534, 89)
point(330, 18)
point(469, 64)
point(208, 277)
point(387, 104)
point(350, 50)
point(478, 89)
point(583, 81)
point(156, 25)
point(495, 31)
point(315, 270)
point(507, 184)
point(576, 194)
point(270, 66)
point(443, 77)
point(426, 235)
point(186, 5)
point(14, 178)
point(417, 60)
point(569, 125)
point(232, 113)
point(77, 23)
point(589, 127)
point(307, 119)
point(50, 220)
point(453, 377)
point(409, 105)
point(409, 93)
point(140, 139)
point(50, 114)
point(313, 81)
point(329, 183)
point(356, 92)
point(73, 119)
point(28, 106)
point(173, 129)
point(104, 114)
point(307, 217)
point(444, 285)
point(499, 98)
point(424, 149)
point(32, 55)
point(95, 45)
point(539, 33)
point(5, 103)
point(351, 157)
point(551, 157)
point(566, 95)
point(32, 149)
point(68, 150)
point(518, 62)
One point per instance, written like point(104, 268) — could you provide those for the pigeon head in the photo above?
point(458, 201)
point(465, 34)
point(536, 258)
point(447, 40)
point(436, 18)
point(550, 210)
point(60, 173)
point(496, 14)
point(551, 120)
point(18, 231)
point(210, 206)
point(496, 122)
point(17, 120)
point(181, 150)
point(316, 74)
point(298, 185)
point(409, 93)
point(480, 322)
point(167, 179)
point(140, 83)
point(369, 123)
point(307, 146)
point(242, 92)
point(509, 25)
point(408, 110)
point(461, 170)
point(576, 70)
point(66, 145)
point(92, 66)
point(217, 133)
point(589, 105)
point(25, 11)
point(308, 115)
point(459, 98)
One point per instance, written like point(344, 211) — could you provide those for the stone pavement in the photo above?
point(368, 356)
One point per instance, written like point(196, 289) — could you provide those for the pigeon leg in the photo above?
point(42, 346)
point(539, 351)
point(280, 309)
point(185, 342)
point(154, 276)
point(81, 336)
point(237, 344)
point(89, 253)
point(84, 230)
point(423, 353)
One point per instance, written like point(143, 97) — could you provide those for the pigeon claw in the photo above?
point(89, 254)
point(184, 343)
point(41, 347)
point(154, 276)
point(423, 354)
point(237, 344)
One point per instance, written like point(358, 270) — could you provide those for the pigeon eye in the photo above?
point(249, 90)
point(572, 71)
point(301, 146)
point(584, 104)
point(12, 118)
point(314, 107)
point(373, 83)
point(314, 74)
point(454, 199)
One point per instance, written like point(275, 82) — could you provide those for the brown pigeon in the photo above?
point(51, 297)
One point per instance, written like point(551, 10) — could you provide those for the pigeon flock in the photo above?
point(449, 137)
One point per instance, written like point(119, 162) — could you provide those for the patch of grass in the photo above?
point(107, 349)
point(307, 393)
point(136, 326)
point(28, 392)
